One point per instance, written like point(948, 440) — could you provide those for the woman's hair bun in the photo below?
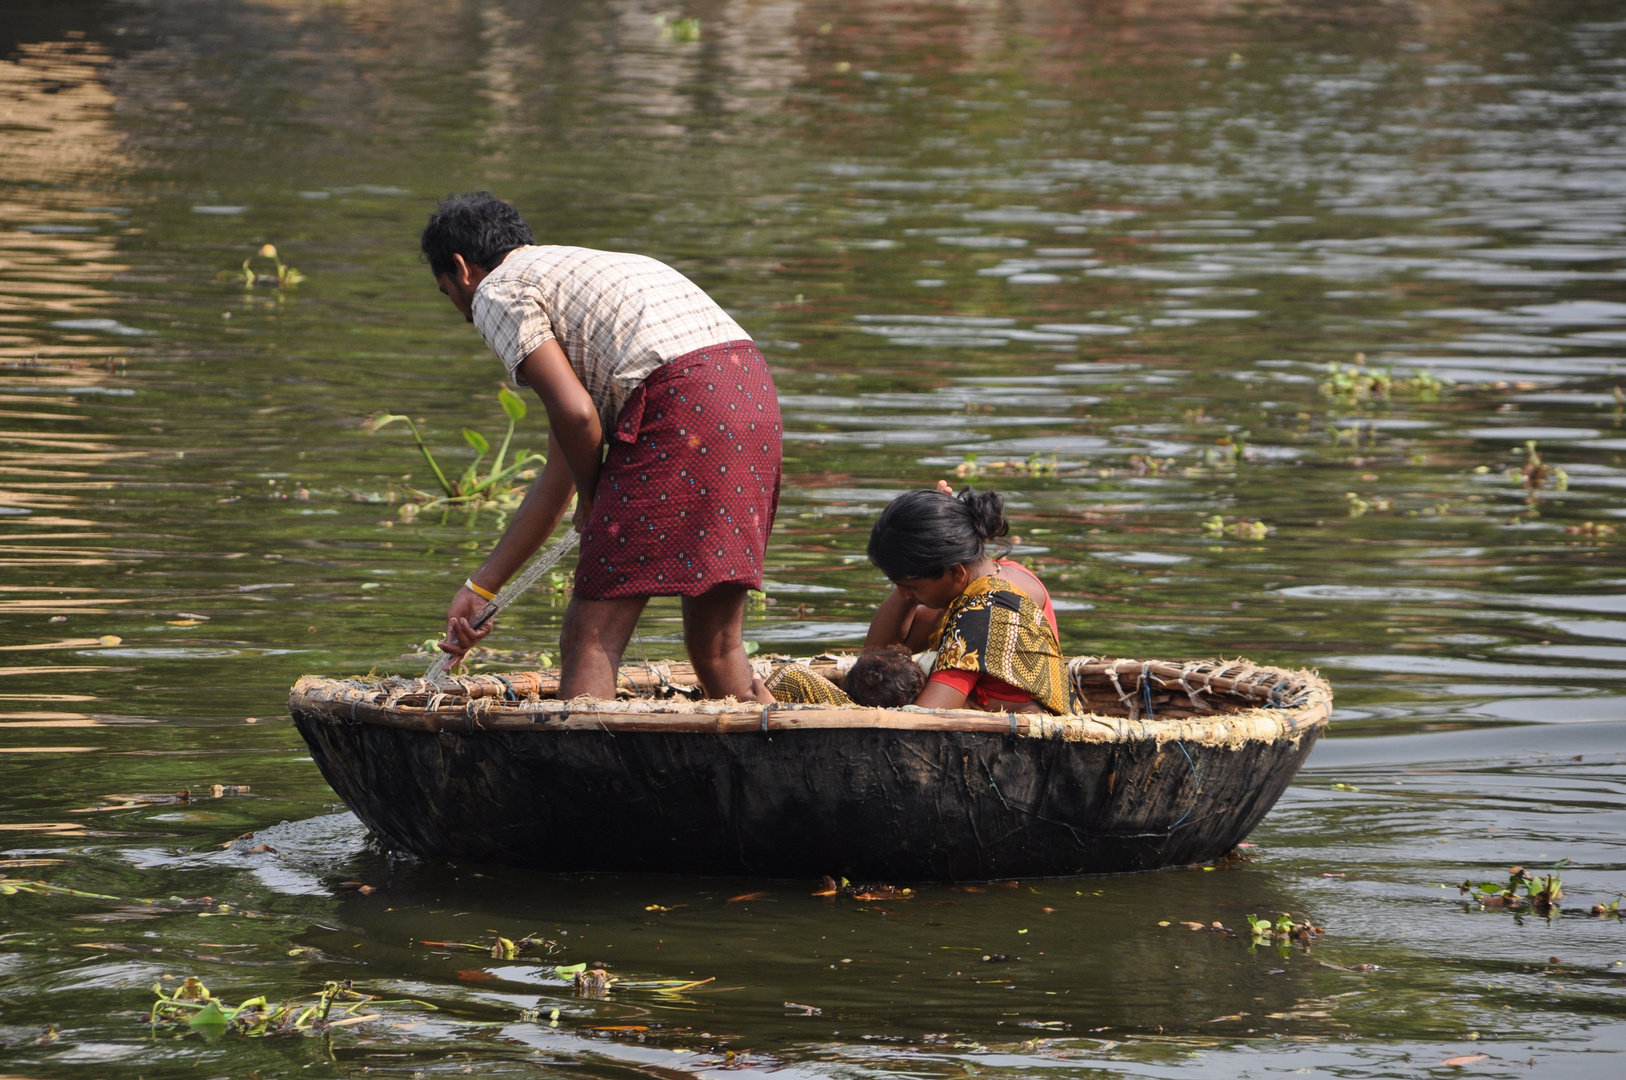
point(987, 511)
point(921, 533)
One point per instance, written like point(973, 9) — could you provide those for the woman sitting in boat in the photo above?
point(989, 622)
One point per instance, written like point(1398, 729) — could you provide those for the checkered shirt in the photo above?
point(617, 316)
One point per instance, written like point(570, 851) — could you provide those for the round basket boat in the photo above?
point(1169, 764)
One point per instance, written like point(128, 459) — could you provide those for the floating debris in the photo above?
point(866, 892)
point(1360, 507)
point(1537, 474)
point(12, 886)
point(503, 948)
point(593, 983)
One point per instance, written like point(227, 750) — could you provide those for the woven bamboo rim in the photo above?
point(1211, 703)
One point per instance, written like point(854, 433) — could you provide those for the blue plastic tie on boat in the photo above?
point(765, 709)
point(508, 689)
point(1146, 692)
point(1199, 790)
point(1013, 723)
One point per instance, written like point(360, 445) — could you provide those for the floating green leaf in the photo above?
point(210, 1016)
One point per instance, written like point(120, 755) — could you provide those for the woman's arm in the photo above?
point(892, 621)
point(940, 696)
point(921, 627)
point(901, 621)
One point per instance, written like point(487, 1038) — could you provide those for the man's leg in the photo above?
point(714, 634)
point(594, 636)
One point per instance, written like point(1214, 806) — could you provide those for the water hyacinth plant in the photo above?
point(194, 1006)
point(1281, 931)
point(472, 490)
point(1358, 383)
point(282, 276)
point(685, 30)
point(1537, 474)
point(1523, 891)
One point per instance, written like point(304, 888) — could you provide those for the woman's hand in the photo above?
point(461, 634)
point(760, 691)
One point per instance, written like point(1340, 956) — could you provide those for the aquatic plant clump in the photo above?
point(1523, 891)
point(1357, 382)
point(683, 30)
point(1241, 528)
point(1537, 474)
point(471, 490)
point(199, 1010)
point(282, 275)
point(1284, 928)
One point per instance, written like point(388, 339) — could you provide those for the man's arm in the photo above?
point(538, 515)
point(572, 417)
point(574, 437)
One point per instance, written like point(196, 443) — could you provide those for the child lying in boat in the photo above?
point(883, 678)
point(989, 621)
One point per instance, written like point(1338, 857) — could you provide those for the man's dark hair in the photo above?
point(885, 678)
point(476, 225)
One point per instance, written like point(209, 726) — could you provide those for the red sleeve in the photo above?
point(962, 681)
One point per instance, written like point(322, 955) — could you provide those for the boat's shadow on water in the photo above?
point(991, 963)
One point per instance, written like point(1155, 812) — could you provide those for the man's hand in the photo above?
point(461, 636)
point(584, 510)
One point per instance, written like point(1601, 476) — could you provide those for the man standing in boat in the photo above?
point(624, 351)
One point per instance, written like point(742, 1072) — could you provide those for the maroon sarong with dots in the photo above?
point(687, 496)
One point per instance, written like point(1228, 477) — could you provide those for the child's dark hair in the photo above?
point(885, 678)
point(922, 533)
point(476, 225)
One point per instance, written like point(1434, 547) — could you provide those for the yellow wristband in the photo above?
point(484, 594)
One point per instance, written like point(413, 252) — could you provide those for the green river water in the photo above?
point(1127, 237)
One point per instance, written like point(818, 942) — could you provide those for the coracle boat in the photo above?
point(1169, 764)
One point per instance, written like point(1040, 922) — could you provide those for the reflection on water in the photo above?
point(1097, 257)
